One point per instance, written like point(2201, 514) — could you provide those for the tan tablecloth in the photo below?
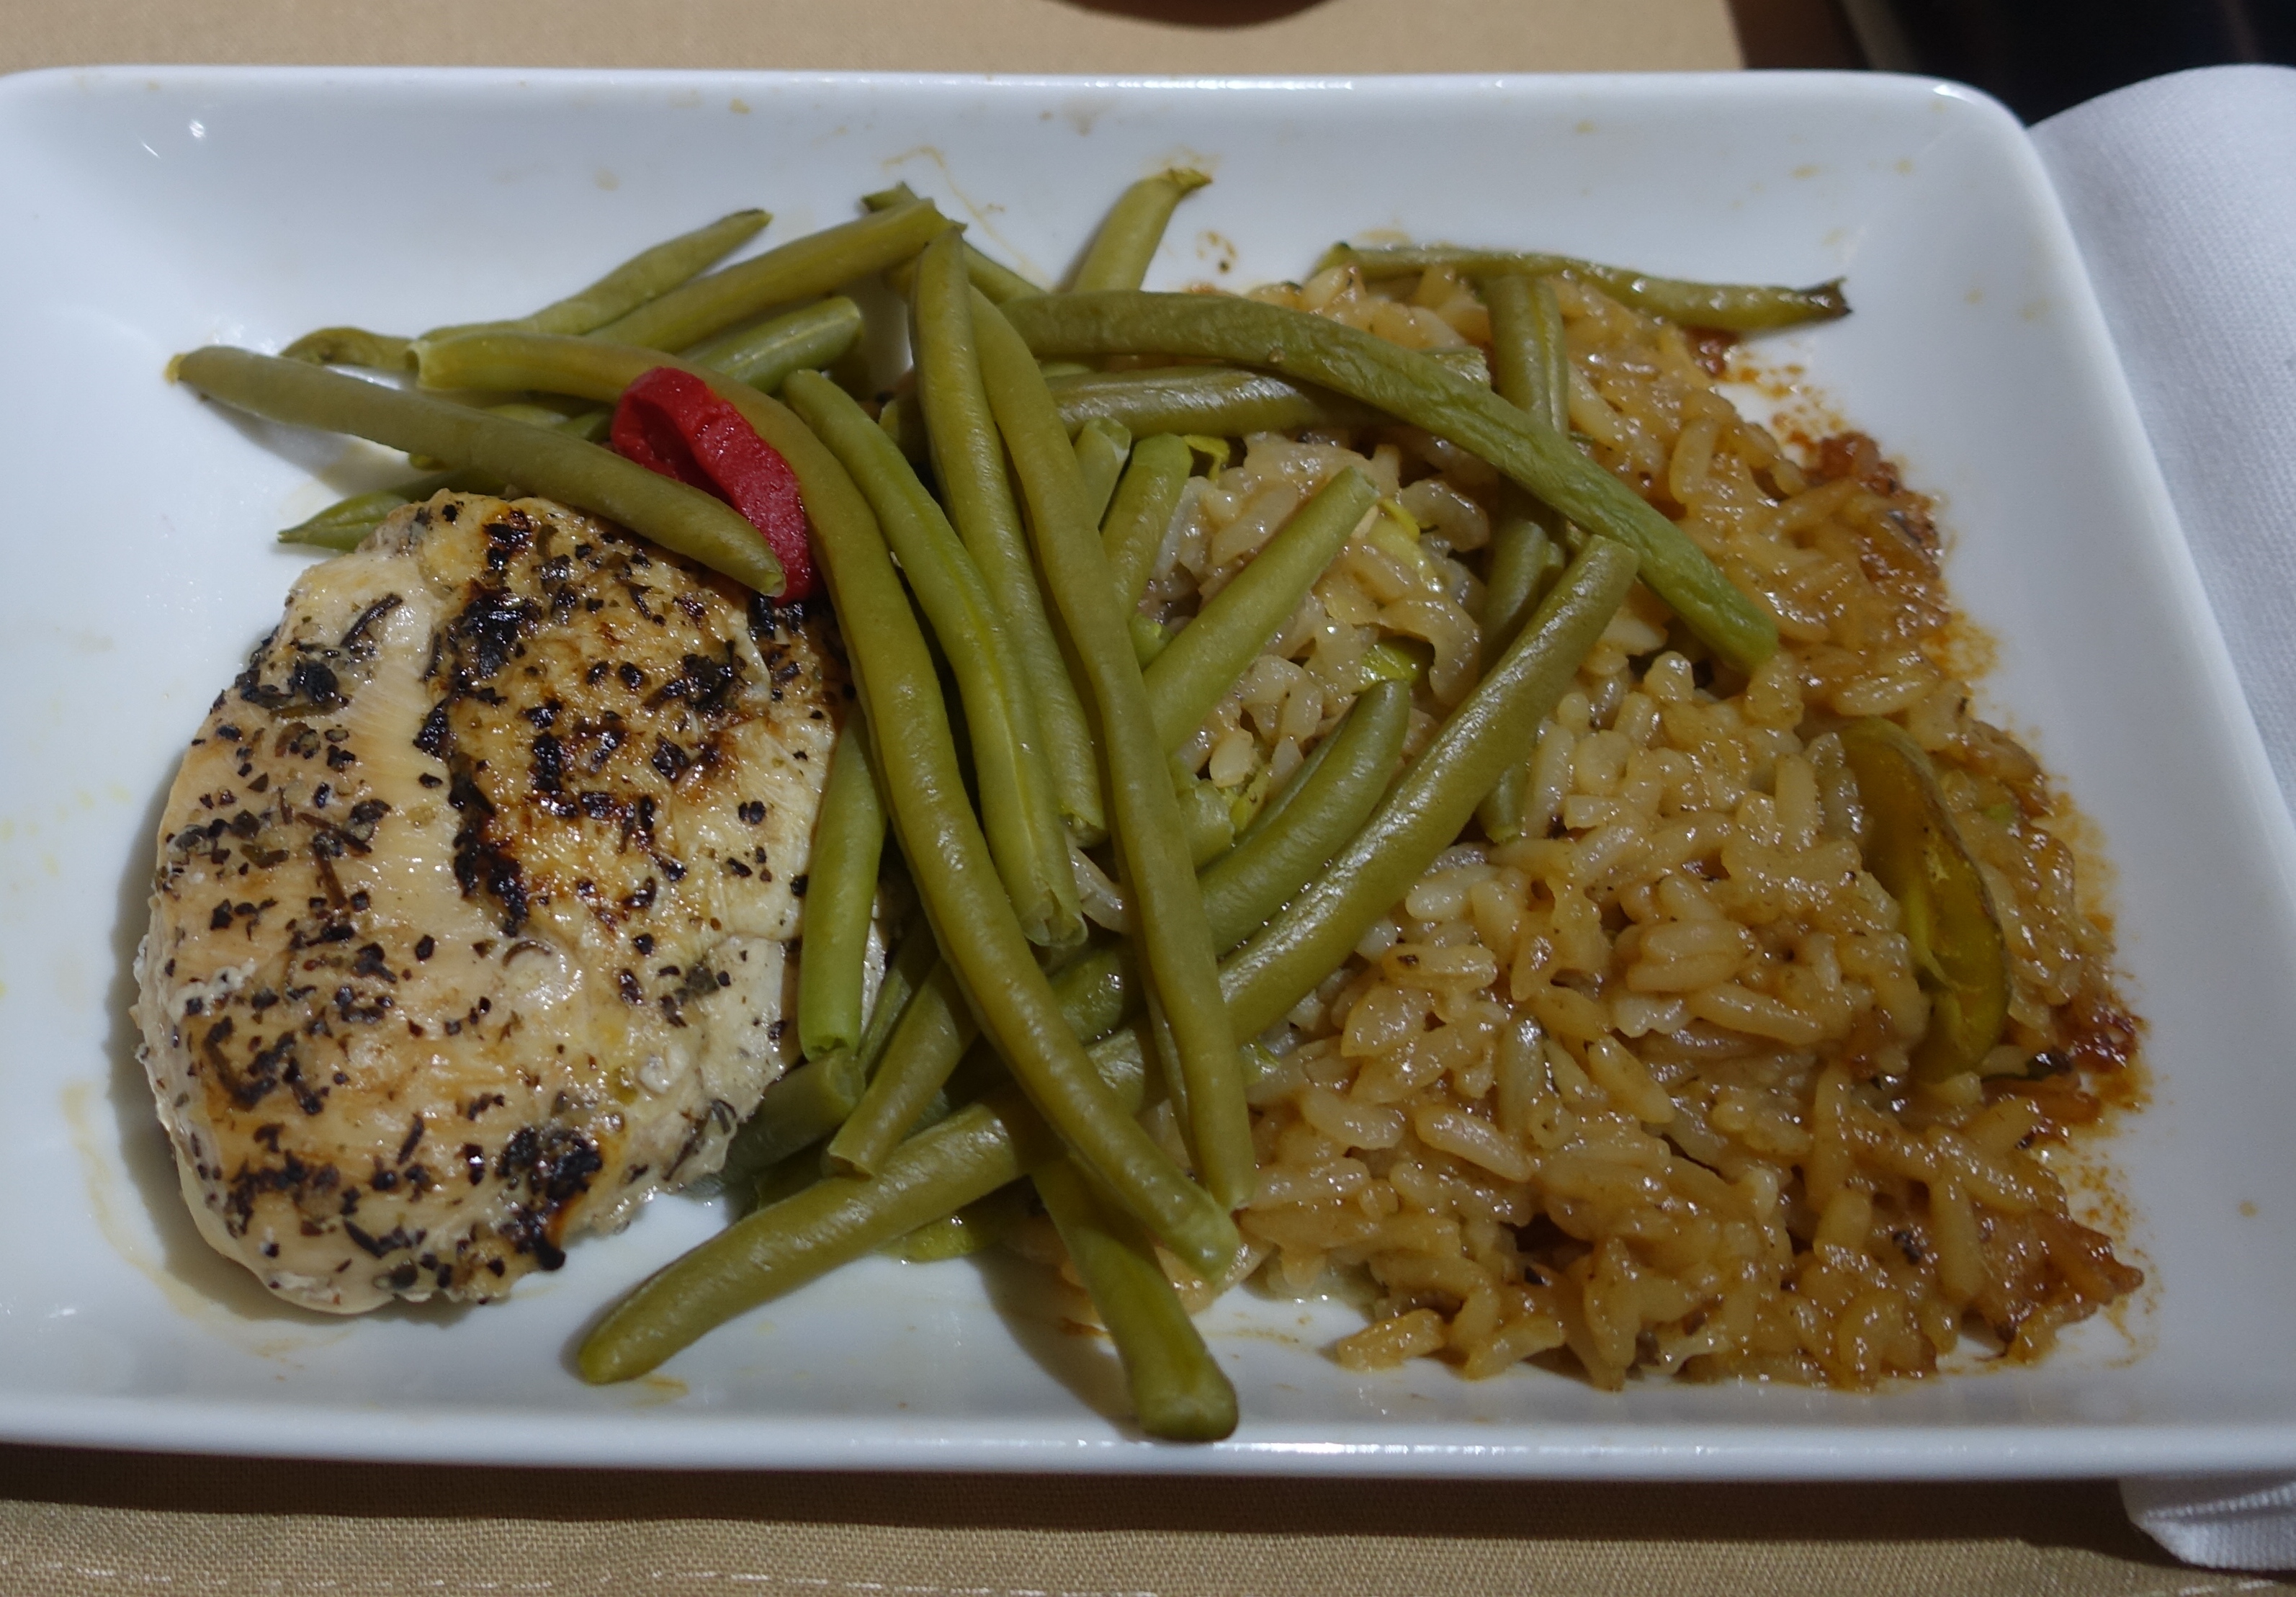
point(107, 1523)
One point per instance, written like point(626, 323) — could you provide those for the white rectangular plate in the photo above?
point(148, 212)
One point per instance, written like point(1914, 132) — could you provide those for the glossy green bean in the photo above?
point(1196, 669)
point(1735, 308)
point(1178, 1391)
point(1407, 385)
point(644, 276)
point(924, 1050)
point(813, 1100)
point(1530, 364)
point(542, 461)
point(1127, 239)
point(906, 972)
point(1019, 812)
point(950, 859)
point(1132, 534)
point(849, 838)
point(1221, 401)
point(1101, 446)
point(1215, 401)
point(979, 1226)
point(1317, 930)
point(1533, 373)
point(1326, 803)
point(815, 264)
point(1167, 914)
point(764, 356)
point(763, 353)
point(969, 463)
point(992, 277)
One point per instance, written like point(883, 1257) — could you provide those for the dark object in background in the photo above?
point(2041, 56)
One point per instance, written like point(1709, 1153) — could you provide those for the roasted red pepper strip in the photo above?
point(671, 422)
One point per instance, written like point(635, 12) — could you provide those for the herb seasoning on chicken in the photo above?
point(472, 920)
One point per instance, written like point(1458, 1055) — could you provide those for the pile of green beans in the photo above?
point(1415, 389)
point(969, 460)
point(545, 461)
point(1144, 812)
point(762, 354)
point(1023, 524)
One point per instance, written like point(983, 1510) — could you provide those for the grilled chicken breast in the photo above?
point(471, 927)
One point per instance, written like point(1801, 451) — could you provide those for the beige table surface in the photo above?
point(87, 1522)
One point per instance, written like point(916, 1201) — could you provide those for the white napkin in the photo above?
point(2181, 191)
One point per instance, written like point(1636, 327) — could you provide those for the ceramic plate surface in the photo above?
point(148, 212)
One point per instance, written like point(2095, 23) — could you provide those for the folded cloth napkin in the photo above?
point(2181, 191)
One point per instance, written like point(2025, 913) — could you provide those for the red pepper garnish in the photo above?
point(673, 423)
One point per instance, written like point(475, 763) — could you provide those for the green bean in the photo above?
point(1019, 812)
point(1168, 915)
point(1734, 307)
point(1530, 362)
point(906, 972)
point(962, 1159)
point(1326, 803)
point(998, 281)
point(763, 353)
point(1178, 1391)
point(1317, 929)
point(925, 1048)
point(948, 858)
point(1534, 375)
point(763, 356)
point(1463, 360)
point(797, 270)
point(1199, 667)
point(1148, 638)
point(1127, 241)
point(1133, 534)
point(1216, 401)
point(681, 518)
point(798, 1110)
point(970, 464)
point(1272, 807)
point(848, 838)
point(349, 346)
point(785, 1244)
point(813, 1100)
point(930, 1042)
point(345, 523)
point(1101, 446)
point(1735, 626)
point(1222, 401)
point(1315, 815)
point(646, 275)
point(979, 1226)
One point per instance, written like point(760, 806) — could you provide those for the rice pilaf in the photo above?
point(1632, 1089)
